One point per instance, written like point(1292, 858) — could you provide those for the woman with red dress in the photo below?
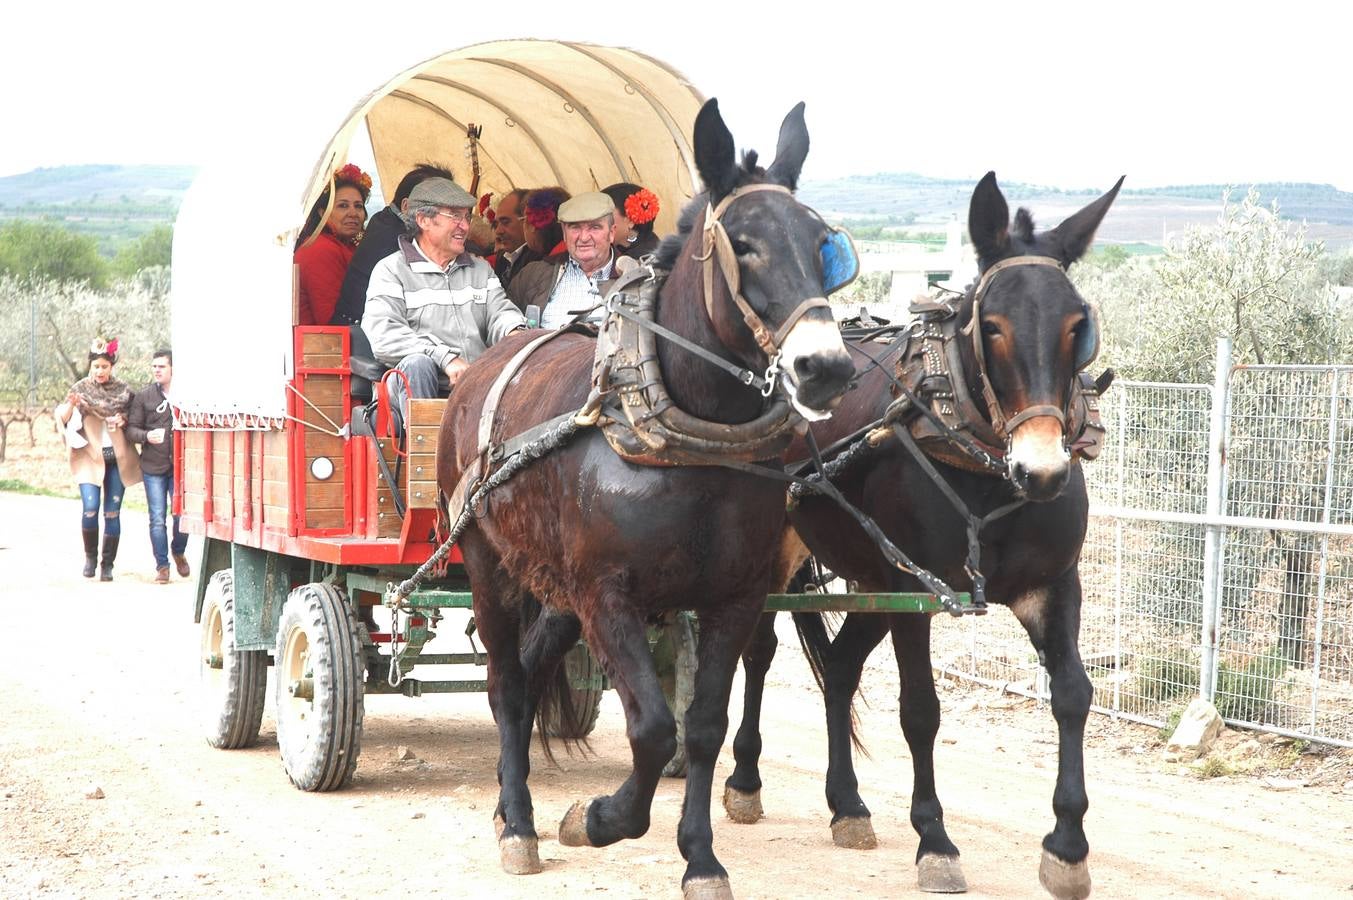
point(323, 260)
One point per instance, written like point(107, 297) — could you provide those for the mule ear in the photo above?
point(989, 219)
point(714, 151)
point(1074, 236)
point(791, 150)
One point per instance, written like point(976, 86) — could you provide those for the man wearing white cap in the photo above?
point(568, 283)
point(431, 307)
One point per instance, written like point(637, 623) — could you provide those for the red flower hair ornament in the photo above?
point(355, 175)
point(540, 217)
point(641, 207)
point(485, 208)
point(102, 347)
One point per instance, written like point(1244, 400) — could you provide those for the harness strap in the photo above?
point(972, 524)
point(997, 268)
point(1002, 426)
point(1034, 412)
point(746, 376)
point(932, 582)
point(719, 249)
point(490, 408)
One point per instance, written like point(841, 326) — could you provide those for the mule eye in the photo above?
point(991, 329)
point(741, 248)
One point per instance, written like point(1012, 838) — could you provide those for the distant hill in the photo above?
point(116, 204)
point(1145, 215)
point(158, 186)
point(113, 204)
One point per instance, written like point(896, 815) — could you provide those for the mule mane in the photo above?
point(1024, 226)
point(669, 251)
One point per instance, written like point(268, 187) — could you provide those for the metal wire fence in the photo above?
point(1219, 557)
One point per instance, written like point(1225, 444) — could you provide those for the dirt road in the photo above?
point(99, 693)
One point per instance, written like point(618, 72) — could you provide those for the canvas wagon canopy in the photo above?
point(552, 113)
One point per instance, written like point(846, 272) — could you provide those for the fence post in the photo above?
point(1212, 535)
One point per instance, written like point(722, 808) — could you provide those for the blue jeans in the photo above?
point(112, 490)
point(159, 493)
point(424, 383)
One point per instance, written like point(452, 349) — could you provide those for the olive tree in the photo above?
point(1257, 278)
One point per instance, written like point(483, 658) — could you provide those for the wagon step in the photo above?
point(886, 603)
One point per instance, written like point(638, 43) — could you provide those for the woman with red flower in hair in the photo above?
point(322, 256)
point(636, 209)
point(540, 226)
point(102, 458)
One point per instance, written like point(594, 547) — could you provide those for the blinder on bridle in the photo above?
point(1084, 351)
point(840, 266)
point(840, 262)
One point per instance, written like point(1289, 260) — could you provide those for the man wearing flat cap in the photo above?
point(432, 307)
point(577, 279)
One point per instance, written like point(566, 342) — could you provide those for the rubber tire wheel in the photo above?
point(319, 736)
point(233, 692)
point(580, 666)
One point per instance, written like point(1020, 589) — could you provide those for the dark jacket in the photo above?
point(150, 410)
point(534, 284)
point(644, 245)
point(381, 239)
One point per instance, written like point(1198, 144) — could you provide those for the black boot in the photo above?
point(91, 537)
point(109, 554)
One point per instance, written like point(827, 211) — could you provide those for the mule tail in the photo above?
point(546, 637)
point(816, 640)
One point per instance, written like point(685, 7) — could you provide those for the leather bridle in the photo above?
point(719, 248)
point(1004, 425)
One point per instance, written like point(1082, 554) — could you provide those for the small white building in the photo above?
point(916, 267)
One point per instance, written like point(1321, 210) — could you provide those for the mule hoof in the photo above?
point(706, 889)
point(1064, 880)
point(519, 855)
point(854, 833)
point(938, 874)
point(573, 830)
point(743, 808)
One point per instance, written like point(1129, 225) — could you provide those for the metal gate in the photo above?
point(1219, 558)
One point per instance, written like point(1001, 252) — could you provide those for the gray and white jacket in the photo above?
point(413, 306)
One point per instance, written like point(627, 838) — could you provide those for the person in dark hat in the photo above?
point(566, 283)
point(431, 306)
point(379, 241)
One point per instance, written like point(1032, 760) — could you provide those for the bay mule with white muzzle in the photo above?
point(977, 416)
point(624, 522)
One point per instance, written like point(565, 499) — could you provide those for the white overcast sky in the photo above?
point(1055, 93)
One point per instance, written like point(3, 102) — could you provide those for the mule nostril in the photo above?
point(1019, 473)
point(807, 368)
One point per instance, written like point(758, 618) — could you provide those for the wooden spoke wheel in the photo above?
point(233, 682)
point(587, 682)
point(319, 688)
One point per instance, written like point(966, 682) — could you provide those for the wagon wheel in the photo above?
point(319, 688)
point(233, 681)
point(674, 657)
point(587, 682)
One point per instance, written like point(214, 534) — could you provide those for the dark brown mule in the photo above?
point(605, 545)
point(1033, 324)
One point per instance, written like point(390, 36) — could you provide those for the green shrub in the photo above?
point(1165, 679)
point(1246, 694)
